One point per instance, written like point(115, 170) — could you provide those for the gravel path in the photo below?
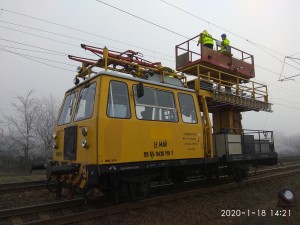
point(207, 209)
point(20, 199)
point(197, 210)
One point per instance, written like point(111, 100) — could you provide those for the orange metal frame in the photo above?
point(236, 61)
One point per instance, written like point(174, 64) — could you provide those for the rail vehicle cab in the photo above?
point(113, 123)
point(136, 122)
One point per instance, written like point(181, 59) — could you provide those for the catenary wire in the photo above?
point(261, 67)
point(67, 36)
point(222, 28)
point(47, 21)
point(261, 47)
point(33, 46)
point(140, 18)
point(85, 32)
point(30, 50)
point(36, 57)
point(15, 53)
point(51, 39)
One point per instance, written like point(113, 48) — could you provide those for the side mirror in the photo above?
point(140, 90)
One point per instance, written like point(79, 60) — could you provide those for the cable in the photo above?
point(289, 78)
point(266, 121)
point(292, 107)
point(271, 71)
point(49, 32)
point(30, 50)
point(83, 31)
point(51, 39)
point(279, 88)
point(295, 53)
point(36, 60)
point(253, 43)
point(91, 33)
point(259, 46)
point(219, 27)
point(293, 59)
point(72, 28)
point(285, 101)
point(20, 43)
point(147, 21)
point(36, 57)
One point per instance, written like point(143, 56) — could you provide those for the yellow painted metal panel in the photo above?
point(83, 155)
point(134, 140)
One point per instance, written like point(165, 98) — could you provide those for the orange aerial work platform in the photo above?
point(233, 61)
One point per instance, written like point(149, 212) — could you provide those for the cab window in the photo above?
point(187, 108)
point(85, 105)
point(155, 105)
point(118, 100)
point(67, 110)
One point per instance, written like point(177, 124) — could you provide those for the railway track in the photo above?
point(288, 159)
point(22, 186)
point(70, 211)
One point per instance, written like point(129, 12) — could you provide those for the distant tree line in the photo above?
point(26, 135)
point(287, 145)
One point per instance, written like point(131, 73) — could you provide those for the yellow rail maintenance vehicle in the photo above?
point(133, 122)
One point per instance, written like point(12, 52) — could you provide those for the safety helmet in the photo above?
point(223, 35)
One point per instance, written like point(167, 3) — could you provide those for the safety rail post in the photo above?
point(208, 127)
point(201, 46)
point(237, 92)
point(188, 49)
point(219, 82)
point(266, 97)
point(208, 76)
point(105, 56)
point(253, 91)
point(252, 60)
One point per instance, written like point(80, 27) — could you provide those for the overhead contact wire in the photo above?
point(83, 31)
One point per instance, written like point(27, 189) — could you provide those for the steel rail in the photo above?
point(108, 210)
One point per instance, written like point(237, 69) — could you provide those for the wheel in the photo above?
point(178, 176)
point(134, 191)
point(239, 174)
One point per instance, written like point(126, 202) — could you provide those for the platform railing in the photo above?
point(232, 84)
point(195, 52)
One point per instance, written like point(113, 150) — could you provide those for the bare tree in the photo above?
point(287, 145)
point(21, 123)
point(44, 124)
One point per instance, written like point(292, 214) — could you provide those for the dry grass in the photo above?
point(11, 177)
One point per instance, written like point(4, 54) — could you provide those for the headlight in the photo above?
point(84, 143)
point(84, 131)
point(54, 144)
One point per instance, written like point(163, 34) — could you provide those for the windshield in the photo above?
point(67, 110)
point(85, 106)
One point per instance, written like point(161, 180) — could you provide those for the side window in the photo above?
point(187, 108)
point(85, 105)
point(67, 110)
point(118, 101)
point(155, 105)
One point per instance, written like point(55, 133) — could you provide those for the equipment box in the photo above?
point(248, 144)
point(262, 146)
point(227, 144)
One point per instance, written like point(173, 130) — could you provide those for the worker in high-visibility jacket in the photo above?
point(207, 39)
point(225, 44)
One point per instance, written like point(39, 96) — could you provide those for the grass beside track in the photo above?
point(14, 177)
